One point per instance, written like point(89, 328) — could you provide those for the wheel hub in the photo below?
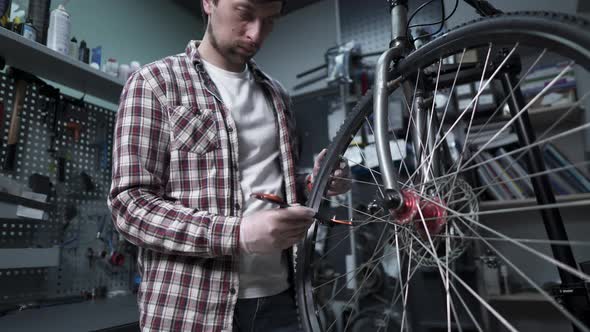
point(432, 211)
point(435, 217)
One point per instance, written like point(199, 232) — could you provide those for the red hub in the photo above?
point(435, 217)
point(433, 211)
point(406, 213)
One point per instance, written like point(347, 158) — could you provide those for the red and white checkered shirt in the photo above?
point(176, 190)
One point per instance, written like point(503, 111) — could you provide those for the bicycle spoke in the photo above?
point(528, 176)
point(520, 112)
point(411, 109)
point(367, 275)
point(399, 270)
point(402, 161)
point(454, 178)
point(548, 297)
point(437, 260)
point(521, 240)
point(568, 268)
point(372, 261)
point(448, 299)
point(505, 100)
point(523, 149)
point(370, 170)
point(469, 313)
point(460, 117)
point(468, 288)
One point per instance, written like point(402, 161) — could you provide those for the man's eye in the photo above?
point(245, 14)
point(269, 21)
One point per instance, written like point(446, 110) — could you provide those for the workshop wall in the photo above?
point(298, 43)
point(141, 30)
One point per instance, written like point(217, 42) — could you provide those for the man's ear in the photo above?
point(207, 6)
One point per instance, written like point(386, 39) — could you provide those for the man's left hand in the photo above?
point(339, 182)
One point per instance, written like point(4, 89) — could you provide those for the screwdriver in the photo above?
point(274, 199)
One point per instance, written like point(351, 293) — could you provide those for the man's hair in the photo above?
point(205, 18)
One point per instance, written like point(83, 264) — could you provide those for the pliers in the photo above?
point(274, 199)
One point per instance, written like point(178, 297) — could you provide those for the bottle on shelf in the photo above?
point(96, 57)
point(28, 30)
point(5, 13)
point(74, 48)
point(112, 67)
point(58, 35)
point(84, 52)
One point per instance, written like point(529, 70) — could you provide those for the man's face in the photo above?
point(237, 28)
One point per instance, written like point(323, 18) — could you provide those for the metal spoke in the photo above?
point(548, 297)
point(534, 241)
point(462, 154)
point(568, 268)
point(370, 170)
point(460, 117)
point(520, 112)
point(469, 289)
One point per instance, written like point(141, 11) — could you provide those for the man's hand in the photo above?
point(269, 231)
point(340, 177)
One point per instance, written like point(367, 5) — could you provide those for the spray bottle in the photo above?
point(58, 36)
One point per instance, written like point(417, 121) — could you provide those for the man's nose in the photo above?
point(254, 32)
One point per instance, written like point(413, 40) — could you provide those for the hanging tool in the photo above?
point(1, 116)
point(18, 104)
point(274, 199)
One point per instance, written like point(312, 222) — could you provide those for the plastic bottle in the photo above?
point(58, 36)
point(84, 52)
point(28, 30)
point(124, 71)
point(96, 56)
point(4, 13)
point(135, 65)
point(74, 48)
point(112, 67)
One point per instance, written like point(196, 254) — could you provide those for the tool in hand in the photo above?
point(279, 201)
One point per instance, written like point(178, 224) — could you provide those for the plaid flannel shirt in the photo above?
point(176, 190)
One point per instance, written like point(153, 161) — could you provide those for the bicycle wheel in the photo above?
point(379, 260)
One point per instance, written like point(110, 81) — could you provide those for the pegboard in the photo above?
point(369, 23)
point(87, 151)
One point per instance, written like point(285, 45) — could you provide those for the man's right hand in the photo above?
point(269, 231)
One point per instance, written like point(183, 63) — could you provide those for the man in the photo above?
point(196, 134)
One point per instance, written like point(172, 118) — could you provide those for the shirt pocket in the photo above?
point(193, 130)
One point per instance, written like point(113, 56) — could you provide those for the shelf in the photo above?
point(518, 297)
point(546, 116)
point(92, 315)
point(540, 117)
point(41, 61)
point(494, 205)
point(8, 198)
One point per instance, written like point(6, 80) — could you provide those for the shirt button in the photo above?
point(237, 206)
point(230, 129)
point(232, 290)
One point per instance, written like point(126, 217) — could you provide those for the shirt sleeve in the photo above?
point(140, 210)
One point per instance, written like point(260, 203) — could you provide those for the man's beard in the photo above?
point(230, 53)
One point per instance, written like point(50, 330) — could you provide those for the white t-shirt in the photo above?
point(258, 151)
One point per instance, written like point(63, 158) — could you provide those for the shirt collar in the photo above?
point(192, 53)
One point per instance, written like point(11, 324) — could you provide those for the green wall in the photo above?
point(142, 30)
